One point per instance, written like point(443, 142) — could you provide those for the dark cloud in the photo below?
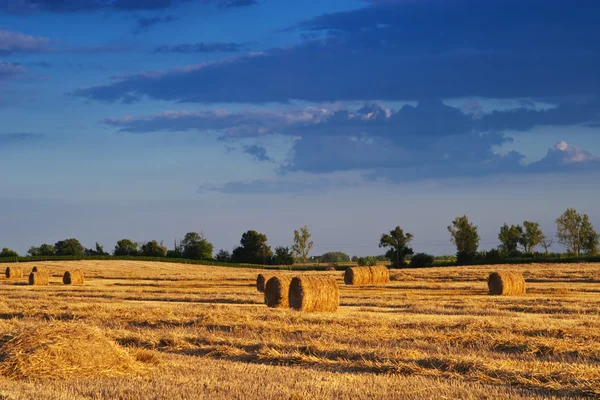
point(143, 24)
point(17, 42)
point(259, 153)
point(429, 118)
point(429, 140)
point(403, 51)
point(202, 47)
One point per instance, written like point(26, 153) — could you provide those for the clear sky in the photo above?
point(147, 119)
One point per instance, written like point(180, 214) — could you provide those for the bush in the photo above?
point(367, 261)
point(420, 260)
point(6, 252)
point(464, 257)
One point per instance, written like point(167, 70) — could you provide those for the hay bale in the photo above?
point(39, 278)
point(314, 293)
point(506, 283)
point(40, 269)
point(276, 291)
point(357, 276)
point(73, 277)
point(261, 280)
point(14, 272)
point(379, 274)
point(60, 350)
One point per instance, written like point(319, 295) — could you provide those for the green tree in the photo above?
point(195, 246)
point(47, 250)
point(576, 232)
point(33, 251)
point(154, 249)
point(334, 256)
point(510, 236)
point(398, 243)
point(531, 237)
point(420, 260)
point(69, 247)
point(283, 256)
point(98, 251)
point(302, 243)
point(6, 252)
point(465, 237)
point(253, 249)
point(177, 251)
point(547, 242)
point(126, 247)
point(223, 256)
point(589, 237)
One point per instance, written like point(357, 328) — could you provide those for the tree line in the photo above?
point(573, 230)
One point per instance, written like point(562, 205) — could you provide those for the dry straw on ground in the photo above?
point(40, 269)
point(60, 350)
point(314, 293)
point(379, 274)
point(13, 272)
point(276, 291)
point(74, 277)
point(357, 276)
point(39, 278)
point(506, 283)
point(261, 280)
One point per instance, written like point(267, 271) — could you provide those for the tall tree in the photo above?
point(47, 250)
point(223, 256)
point(398, 243)
point(195, 246)
point(589, 237)
point(576, 232)
point(69, 247)
point(302, 243)
point(283, 256)
point(465, 237)
point(33, 251)
point(154, 249)
point(547, 242)
point(531, 237)
point(510, 237)
point(126, 247)
point(6, 252)
point(253, 249)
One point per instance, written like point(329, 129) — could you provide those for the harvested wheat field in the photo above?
point(139, 330)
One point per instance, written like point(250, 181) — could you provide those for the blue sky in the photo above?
point(147, 119)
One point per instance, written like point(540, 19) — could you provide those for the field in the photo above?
point(142, 330)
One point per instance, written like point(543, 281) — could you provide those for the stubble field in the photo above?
point(142, 330)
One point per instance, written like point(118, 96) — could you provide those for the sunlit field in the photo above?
point(142, 330)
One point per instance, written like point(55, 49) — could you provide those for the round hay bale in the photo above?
point(506, 283)
point(261, 279)
point(73, 277)
point(314, 293)
point(379, 274)
point(40, 269)
point(60, 350)
point(330, 268)
point(276, 291)
point(39, 278)
point(357, 276)
point(13, 272)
